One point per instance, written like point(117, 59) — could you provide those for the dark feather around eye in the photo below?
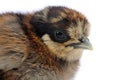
point(65, 20)
point(58, 35)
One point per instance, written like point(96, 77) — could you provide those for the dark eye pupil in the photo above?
point(60, 35)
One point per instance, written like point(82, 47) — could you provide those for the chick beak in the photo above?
point(84, 44)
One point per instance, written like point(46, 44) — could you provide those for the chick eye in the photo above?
point(60, 35)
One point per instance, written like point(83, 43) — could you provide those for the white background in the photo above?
point(103, 63)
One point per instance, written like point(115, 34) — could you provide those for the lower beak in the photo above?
point(84, 44)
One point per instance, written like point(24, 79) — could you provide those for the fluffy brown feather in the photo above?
point(45, 45)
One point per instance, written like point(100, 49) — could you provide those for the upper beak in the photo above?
point(84, 44)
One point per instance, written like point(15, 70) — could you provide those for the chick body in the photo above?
point(39, 46)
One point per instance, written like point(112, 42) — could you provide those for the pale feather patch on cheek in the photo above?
point(56, 48)
point(67, 53)
point(75, 54)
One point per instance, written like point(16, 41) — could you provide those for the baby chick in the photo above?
point(44, 45)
